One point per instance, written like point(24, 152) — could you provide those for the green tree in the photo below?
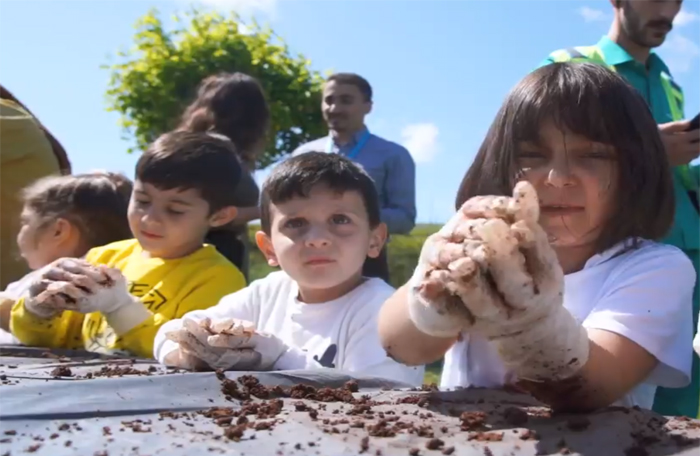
point(151, 84)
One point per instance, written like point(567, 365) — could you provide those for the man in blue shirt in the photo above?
point(347, 99)
point(638, 27)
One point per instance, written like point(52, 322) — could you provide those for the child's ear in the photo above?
point(265, 245)
point(223, 216)
point(61, 230)
point(377, 239)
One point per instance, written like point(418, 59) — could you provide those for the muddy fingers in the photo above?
point(475, 292)
point(525, 204)
point(540, 258)
point(507, 265)
point(488, 207)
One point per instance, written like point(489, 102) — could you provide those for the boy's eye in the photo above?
point(174, 212)
point(142, 202)
point(294, 223)
point(340, 219)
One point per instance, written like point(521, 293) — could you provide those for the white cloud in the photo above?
point(421, 140)
point(679, 52)
point(592, 15)
point(244, 7)
point(685, 18)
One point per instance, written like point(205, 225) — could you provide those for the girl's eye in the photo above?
point(597, 155)
point(340, 219)
point(530, 154)
point(294, 223)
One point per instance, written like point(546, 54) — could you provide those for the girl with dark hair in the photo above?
point(559, 285)
point(65, 216)
point(233, 105)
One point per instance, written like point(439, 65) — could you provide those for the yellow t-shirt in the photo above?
point(168, 288)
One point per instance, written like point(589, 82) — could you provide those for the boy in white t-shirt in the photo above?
point(320, 220)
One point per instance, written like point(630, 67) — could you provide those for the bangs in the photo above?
point(595, 103)
point(588, 103)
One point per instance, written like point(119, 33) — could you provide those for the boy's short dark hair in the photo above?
point(200, 161)
point(594, 102)
point(297, 176)
point(353, 79)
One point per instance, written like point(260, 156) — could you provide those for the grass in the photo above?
point(403, 256)
point(432, 373)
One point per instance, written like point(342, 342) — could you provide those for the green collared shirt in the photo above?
point(645, 78)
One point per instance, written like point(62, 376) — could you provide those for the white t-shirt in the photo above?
point(15, 291)
point(340, 334)
point(644, 295)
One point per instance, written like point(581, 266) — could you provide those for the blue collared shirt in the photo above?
point(394, 173)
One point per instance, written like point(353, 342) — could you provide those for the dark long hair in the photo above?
point(594, 102)
point(233, 105)
point(58, 150)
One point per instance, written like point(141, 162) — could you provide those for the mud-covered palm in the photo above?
point(490, 269)
point(226, 344)
point(67, 284)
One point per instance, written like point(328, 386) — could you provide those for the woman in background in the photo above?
point(234, 105)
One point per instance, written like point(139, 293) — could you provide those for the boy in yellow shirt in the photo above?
point(115, 299)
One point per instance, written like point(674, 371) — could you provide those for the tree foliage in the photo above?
point(151, 84)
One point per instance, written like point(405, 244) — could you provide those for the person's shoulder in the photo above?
point(651, 260)
point(216, 262)
point(9, 110)
point(369, 297)
point(657, 252)
point(391, 147)
point(107, 253)
point(274, 282)
point(316, 145)
point(564, 55)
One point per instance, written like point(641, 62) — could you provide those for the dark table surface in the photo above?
point(76, 403)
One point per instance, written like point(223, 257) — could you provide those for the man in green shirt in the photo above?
point(638, 27)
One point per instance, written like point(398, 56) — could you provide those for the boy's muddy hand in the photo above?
point(195, 348)
point(49, 298)
point(236, 334)
point(76, 271)
point(67, 284)
point(109, 293)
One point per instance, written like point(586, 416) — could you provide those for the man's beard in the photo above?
point(639, 33)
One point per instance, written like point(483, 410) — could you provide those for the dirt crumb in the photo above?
point(61, 371)
point(515, 416)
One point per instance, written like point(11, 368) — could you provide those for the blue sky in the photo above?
point(440, 68)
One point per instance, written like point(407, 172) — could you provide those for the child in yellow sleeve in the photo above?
point(65, 216)
point(115, 300)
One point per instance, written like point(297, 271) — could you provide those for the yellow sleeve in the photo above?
point(111, 254)
point(63, 331)
point(218, 282)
